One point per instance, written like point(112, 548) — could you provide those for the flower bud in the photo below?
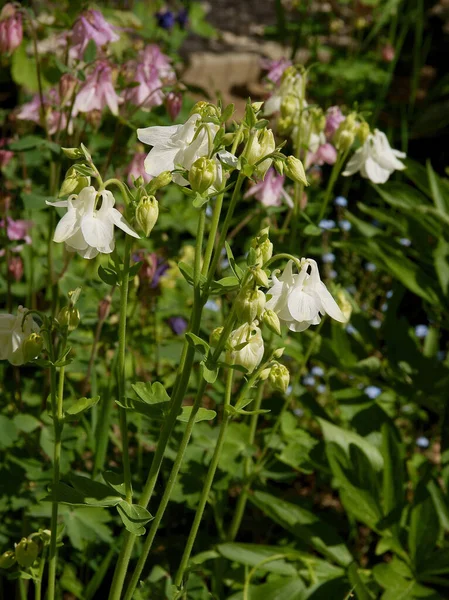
point(249, 304)
point(73, 153)
point(215, 336)
point(69, 317)
point(160, 181)
point(279, 377)
point(363, 132)
point(32, 346)
point(26, 552)
point(344, 304)
point(289, 106)
point(67, 85)
point(278, 352)
point(73, 183)
point(263, 375)
point(294, 169)
point(279, 166)
point(261, 277)
point(344, 140)
point(246, 346)
point(262, 144)
point(7, 559)
point(104, 307)
point(11, 29)
point(202, 174)
point(271, 320)
point(147, 213)
point(256, 106)
point(174, 104)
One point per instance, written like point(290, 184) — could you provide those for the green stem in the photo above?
point(208, 483)
point(57, 412)
point(102, 429)
point(167, 494)
point(121, 368)
point(331, 183)
point(38, 581)
point(241, 503)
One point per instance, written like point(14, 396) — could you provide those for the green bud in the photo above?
point(73, 183)
point(278, 352)
point(7, 559)
point(262, 145)
point(159, 182)
point(256, 106)
point(69, 317)
point(139, 181)
point(73, 153)
point(279, 166)
point(344, 140)
point(249, 304)
point(271, 320)
point(215, 336)
point(279, 377)
point(284, 125)
point(32, 346)
point(26, 552)
point(147, 213)
point(261, 277)
point(202, 174)
point(363, 132)
point(263, 375)
point(264, 252)
point(294, 169)
point(289, 106)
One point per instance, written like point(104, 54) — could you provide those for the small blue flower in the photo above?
point(351, 329)
point(333, 274)
point(183, 17)
point(165, 19)
point(408, 409)
point(329, 257)
point(321, 388)
point(308, 380)
point(208, 211)
point(340, 201)
point(289, 390)
point(422, 442)
point(318, 371)
point(178, 325)
point(421, 331)
point(405, 242)
point(375, 323)
point(389, 294)
point(212, 305)
point(298, 412)
point(345, 225)
point(351, 289)
point(441, 354)
point(384, 307)
point(370, 267)
point(372, 392)
point(326, 224)
point(224, 263)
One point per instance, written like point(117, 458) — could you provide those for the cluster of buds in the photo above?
point(26, 551)
point(277, 375)
point(347, 131)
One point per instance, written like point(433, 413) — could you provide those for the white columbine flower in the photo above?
point(86, 230)
point(246, 345)
point(300, 299)
point(176, 145)
point(375, 160)
point(12, 335)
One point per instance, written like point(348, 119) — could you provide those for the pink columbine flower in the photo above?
point(152, 70)
point(11, 30)
point(334, 117)
point(270, 191)
point(136, 168)
point(388, 53)
point(17, 230)
point(5, 155)
point(275, 68)
point(97, 91)
point(91, 25)
point(325, 153)
point(55, 120)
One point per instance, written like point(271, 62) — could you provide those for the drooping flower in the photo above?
point(250, 355)
point(176, 145)
point(91, 25)
point(17, 229)
point(300, 299)
point(334, 117)
point(291, 88)
point(97, 91)
point(54, 119)
point(325, 153)
point(375, 160)
point(178, 325)
point(270, 191)
point(14, 330)
point(11, 30)
point(173, 103)
point(86, 230)
point(275, 68)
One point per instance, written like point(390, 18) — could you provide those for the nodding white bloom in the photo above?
point(291, 87)
point(86, 230)
point(246, 346)
point(375, 160)
point(13, 334)
point(177, 145)
point(300, 299)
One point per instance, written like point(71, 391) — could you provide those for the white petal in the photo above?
point(119, 220)
point(157, 136)
point(67, 226)
point(373, 171)
point(159, 160)
point(354, 164)
point(58, 203)
point(328, 303)
point(96, 232)
point(303, 306)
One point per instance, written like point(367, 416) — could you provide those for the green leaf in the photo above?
point(91, 493)
point(8, 432)
point(393, 473)
point(35, 202)
point(134, 517)
point(441, 262)
point(439, 195)
point(361, 590)
point(108, 275)
point(26, 423)
point(153, 400)
point(253, 554)
point(440, 502)
point(424, 526)
point(227, 284)
point(281, 589)
point(116, 481)
point(198, 343)
point(367, 366)
point(312, 230)
point(200, 200)
point(90, 52)
point(151, 393)
point(23, 69)
point(80, 406)
point(187, 273)
point(304, 525)
point(203, 414)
